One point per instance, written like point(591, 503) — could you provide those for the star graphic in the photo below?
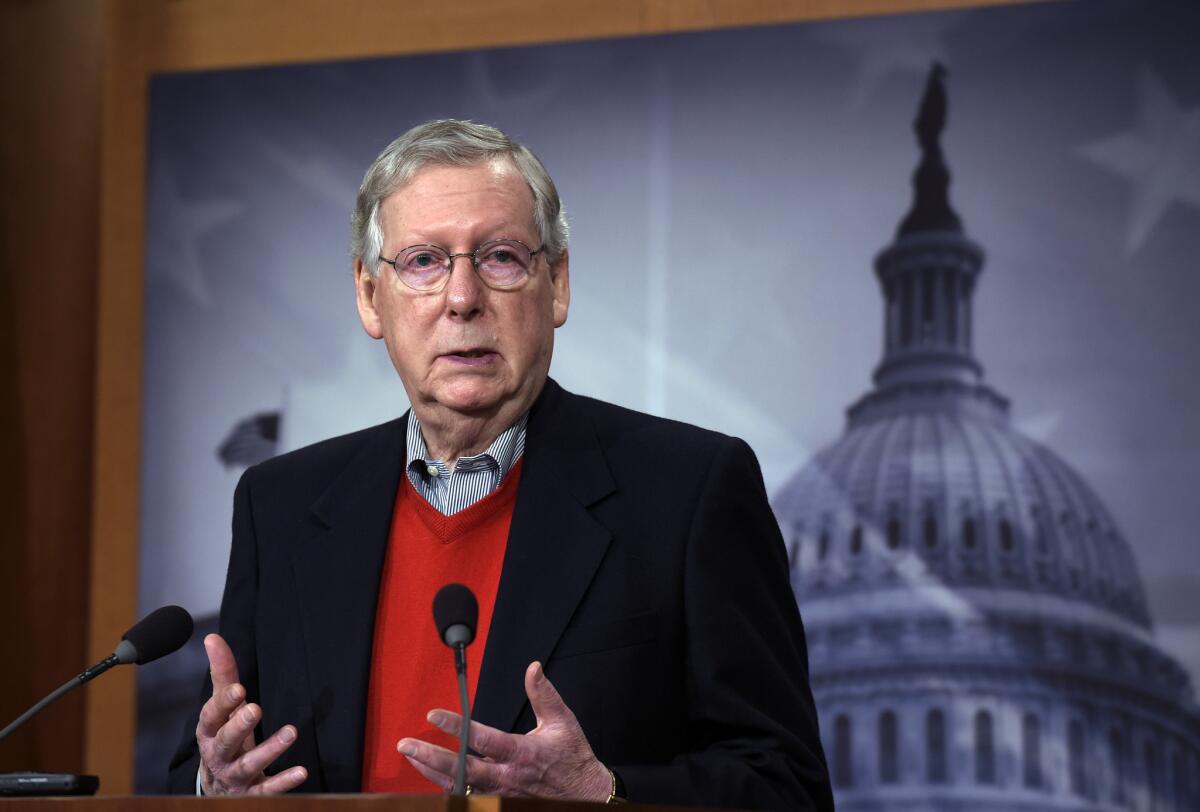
point(175, 226)
point(1160, 157)
point(536, 90)
point(887, 46)
point(318, 169)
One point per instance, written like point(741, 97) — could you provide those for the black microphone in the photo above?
point(156, 635)
point(456, 612)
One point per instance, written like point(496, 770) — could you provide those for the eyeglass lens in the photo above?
point(501, 263)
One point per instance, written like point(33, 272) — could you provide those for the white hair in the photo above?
point(450, 142)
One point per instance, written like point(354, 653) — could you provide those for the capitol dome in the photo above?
point(978, 631)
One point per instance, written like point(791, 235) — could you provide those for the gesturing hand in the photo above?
point(230, 764)
point(554, 760)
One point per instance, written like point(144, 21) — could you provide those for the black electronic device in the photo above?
point(34, 784)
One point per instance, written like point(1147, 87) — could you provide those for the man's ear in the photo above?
point(366, 287)
point(560, 281)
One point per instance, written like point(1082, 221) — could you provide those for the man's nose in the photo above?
point(464, 289)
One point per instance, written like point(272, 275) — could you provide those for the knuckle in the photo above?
point(504, 777)
point(230, 735)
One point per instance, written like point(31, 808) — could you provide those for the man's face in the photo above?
point(468, 348)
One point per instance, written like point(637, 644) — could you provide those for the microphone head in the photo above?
point(456, 612)
point(156, 635)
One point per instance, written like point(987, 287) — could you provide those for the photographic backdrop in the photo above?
point(729, 193)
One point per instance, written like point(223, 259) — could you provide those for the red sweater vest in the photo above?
point(412, 672)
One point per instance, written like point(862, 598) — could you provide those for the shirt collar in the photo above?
point(504, 451)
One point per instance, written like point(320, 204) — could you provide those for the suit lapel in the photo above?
point(554, 548)
point(337, 571)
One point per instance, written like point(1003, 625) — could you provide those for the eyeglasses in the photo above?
point(500, 264)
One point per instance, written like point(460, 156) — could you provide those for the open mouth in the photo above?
point(471, 353)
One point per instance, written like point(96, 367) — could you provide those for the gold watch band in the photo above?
point(613, 797)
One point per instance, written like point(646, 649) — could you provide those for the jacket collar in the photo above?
point(554, 549)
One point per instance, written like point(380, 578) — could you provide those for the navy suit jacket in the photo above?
point(644, 568)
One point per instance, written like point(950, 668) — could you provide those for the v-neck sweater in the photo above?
point(412, 671)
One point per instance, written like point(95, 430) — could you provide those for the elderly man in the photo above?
point(638, 636)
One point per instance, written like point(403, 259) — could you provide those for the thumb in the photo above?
point(221, 662)
point(548, 706)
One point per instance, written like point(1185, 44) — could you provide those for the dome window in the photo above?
point(1043, 546)
point(968, 533)
point(893, 533)
point(843, 768)
point(1039, 531)
point(928, 320)
point(906, 315)
point(889, 772)
point(1116, 766)
point(985, 749)
point(1031, 751)
point(1179, 773)
point(823, 545)
point(793, 549)
point(1150, 754)
point(856, 540)
point(935, 746)
point(931, 531)
point(1076, 768)
point(1007, 540)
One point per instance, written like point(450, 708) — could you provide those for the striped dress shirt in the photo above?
point(472, 479)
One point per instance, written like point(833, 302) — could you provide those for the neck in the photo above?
point(450, 435)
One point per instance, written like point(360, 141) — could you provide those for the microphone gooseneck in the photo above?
point(456, 613)
point(156, 635)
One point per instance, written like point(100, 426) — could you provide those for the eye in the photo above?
point(503, 255)
point(422, 259)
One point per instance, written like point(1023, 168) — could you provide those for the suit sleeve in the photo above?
point(753, 733)
point(236, 625)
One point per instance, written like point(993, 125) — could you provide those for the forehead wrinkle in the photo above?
point(498, 192)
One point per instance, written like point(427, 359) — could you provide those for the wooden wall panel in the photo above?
point(229, 33)
point(50, 67)
point(71, 237)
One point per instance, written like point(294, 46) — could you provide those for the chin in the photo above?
point(472, 397)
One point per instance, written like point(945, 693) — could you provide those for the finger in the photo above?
point(444, 781)
point(217, 709)
point(228, 743)
point(548, 706)
point(482, 776)
point(436, 758)
point(254, 761)
point(286, 781)
point(489, 741)
point(221, 663)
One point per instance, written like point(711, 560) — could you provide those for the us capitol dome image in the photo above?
point(979, 636)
